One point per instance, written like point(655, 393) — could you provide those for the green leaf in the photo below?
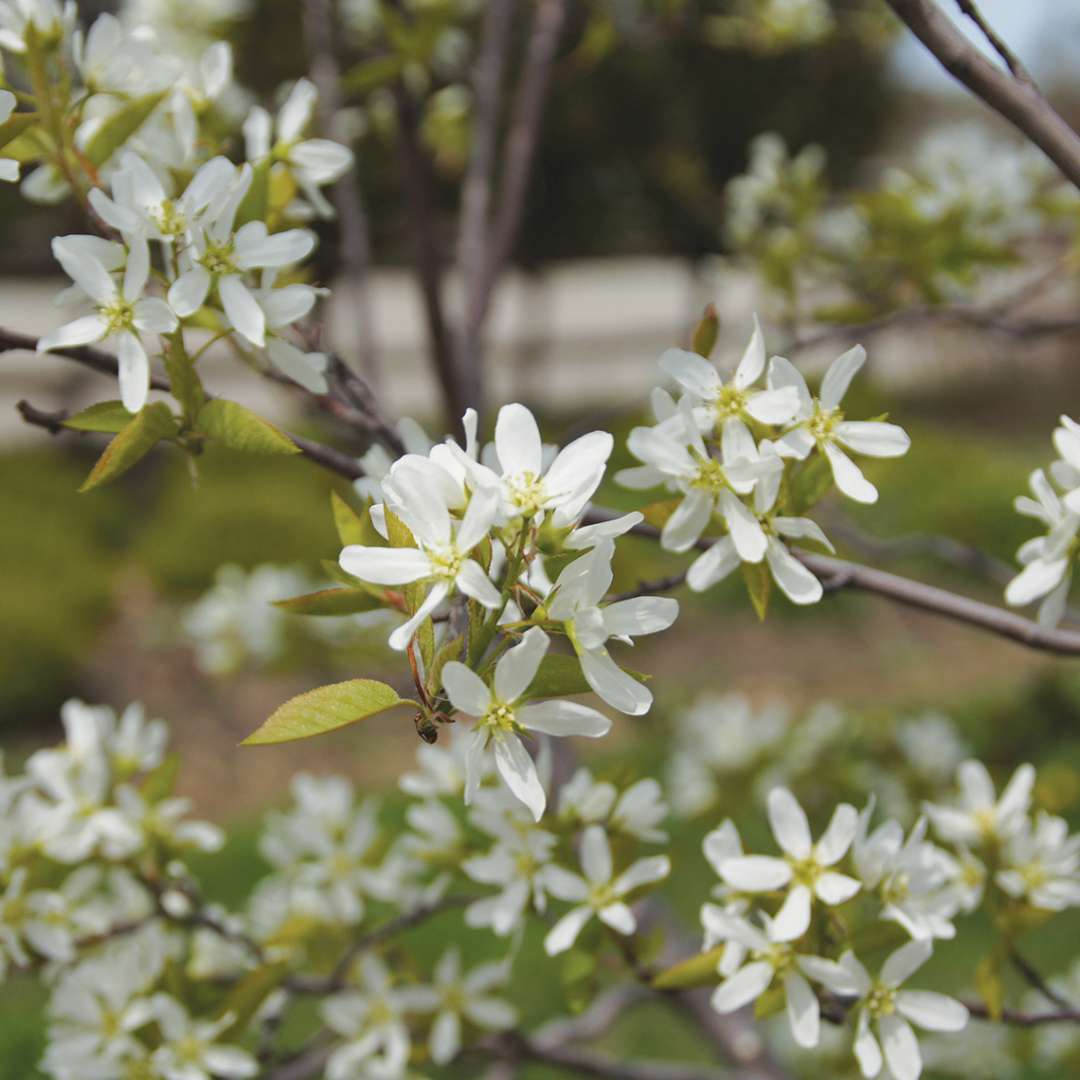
point(332, 602)
point(120, 126)
point(657, 513)
point(185, 383)
point(245, 998)
point(160, 783)
point(240, 429)
point(811, 480)
point(990, 985)
point(326, 708)
point(706, 332)
point(256, 202)
point(108, 416)
point(353, 527)
point(15, 125)
point(698, 970)
point(147, 428)
point(759, 586)
point(769, 1003)
point(450, 650)
point(559, 675)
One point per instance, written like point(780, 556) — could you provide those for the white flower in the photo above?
point(675, 452)
point(981, 815)
point(314, 162)
point(441, 767)
point(456, 997)
point(599, 892)
point(377, 462)
point(805, 871)
point(765, 956)
point(142, 203)
point(1042, 864)
point(219, 256)
point(9, 168)
point(517, 865)
point(820, 422)
point(1047, 560)
point(501, 718)
point(121, 312)
point(372, 1020)
point(48, 18)
point(441, 556)
point(910, 876)
point(576, 603)
point(883, 1032)
point(162, 822)
point(526, 488)
point(932, 745)
point(735, 402)
point(190, 1050)
point(636, 812)
point(282, 307)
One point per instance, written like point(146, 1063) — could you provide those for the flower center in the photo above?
point(824, 422)
point(730, 402)
point(895, 889)
point(527, 493)
point(218, 259)
point(1034, 875)
point(120, 315)
point(169, 221)
point(881, 1000)
point(806, 871)
point(710, 476)
point(499, 718)
point(446, 563)
point(189, 1050)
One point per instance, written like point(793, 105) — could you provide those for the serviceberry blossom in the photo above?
point(820, 423)
point(675, 453)
point(1042, 864)
point(599, 892)
point(982, 816)
point(191, 1051)
point(9, 168)
point(219, 256)
point(575, 603)
point(634, 812)
point(528, 488)
point(805, 871)
point(721, 405)
point(885, 1012)
point(121, 311)
point(502, 717)
point(442, 555)
point(1048, 560)
point(458, 998)
point(314, 163)
point(766, 956)
point(371, 1020)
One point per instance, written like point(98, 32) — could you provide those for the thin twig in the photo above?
point(1012, 61)
point(1018, 101)
point(652, 588)
point(836, 574)
point(1035, 979)
point(519, 153)
point(348, 200)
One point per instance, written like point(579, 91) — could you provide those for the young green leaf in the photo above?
point(698, 970)
point(107, 416)
point(241, 429)
point(353, 526)
point(147, 428)
point(759, 586)
point(706, 332)
point(120, 126)
point(332, 602)
point(326, 708)
point(15, 125)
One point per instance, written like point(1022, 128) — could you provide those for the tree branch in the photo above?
point(1017, 100)
point(1035, 979)
point(1012, 61)
point(354, 233)
point(519, 153)
point(839, 574)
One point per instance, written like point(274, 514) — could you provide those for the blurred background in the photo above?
point(158, 588)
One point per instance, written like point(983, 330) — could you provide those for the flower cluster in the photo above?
point(740, 459)
point(1048, 560)
point(193, 240)
point(458, 541)
point(796, 919)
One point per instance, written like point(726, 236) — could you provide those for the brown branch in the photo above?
point(1035, 979)
point(418, 183)
point(519, 153)
point(348, 200)
point(1012, 61)
point(1018, 101)
point(651, 588)
point(87, 355)
point(837, 574)
point(980, 1011)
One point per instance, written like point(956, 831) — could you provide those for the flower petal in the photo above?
point(565, 932)
point(466, 690)
point(517, 441)
point(518, 666)
point(803, 1011)
point(385, 566)
point(848, 476)
point(244, 314)
point(563, 718)
point(935, 1012)
point(747, 984)
point(838, 378)
point(518, 769)
point(874, 438)
point(789, 825)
